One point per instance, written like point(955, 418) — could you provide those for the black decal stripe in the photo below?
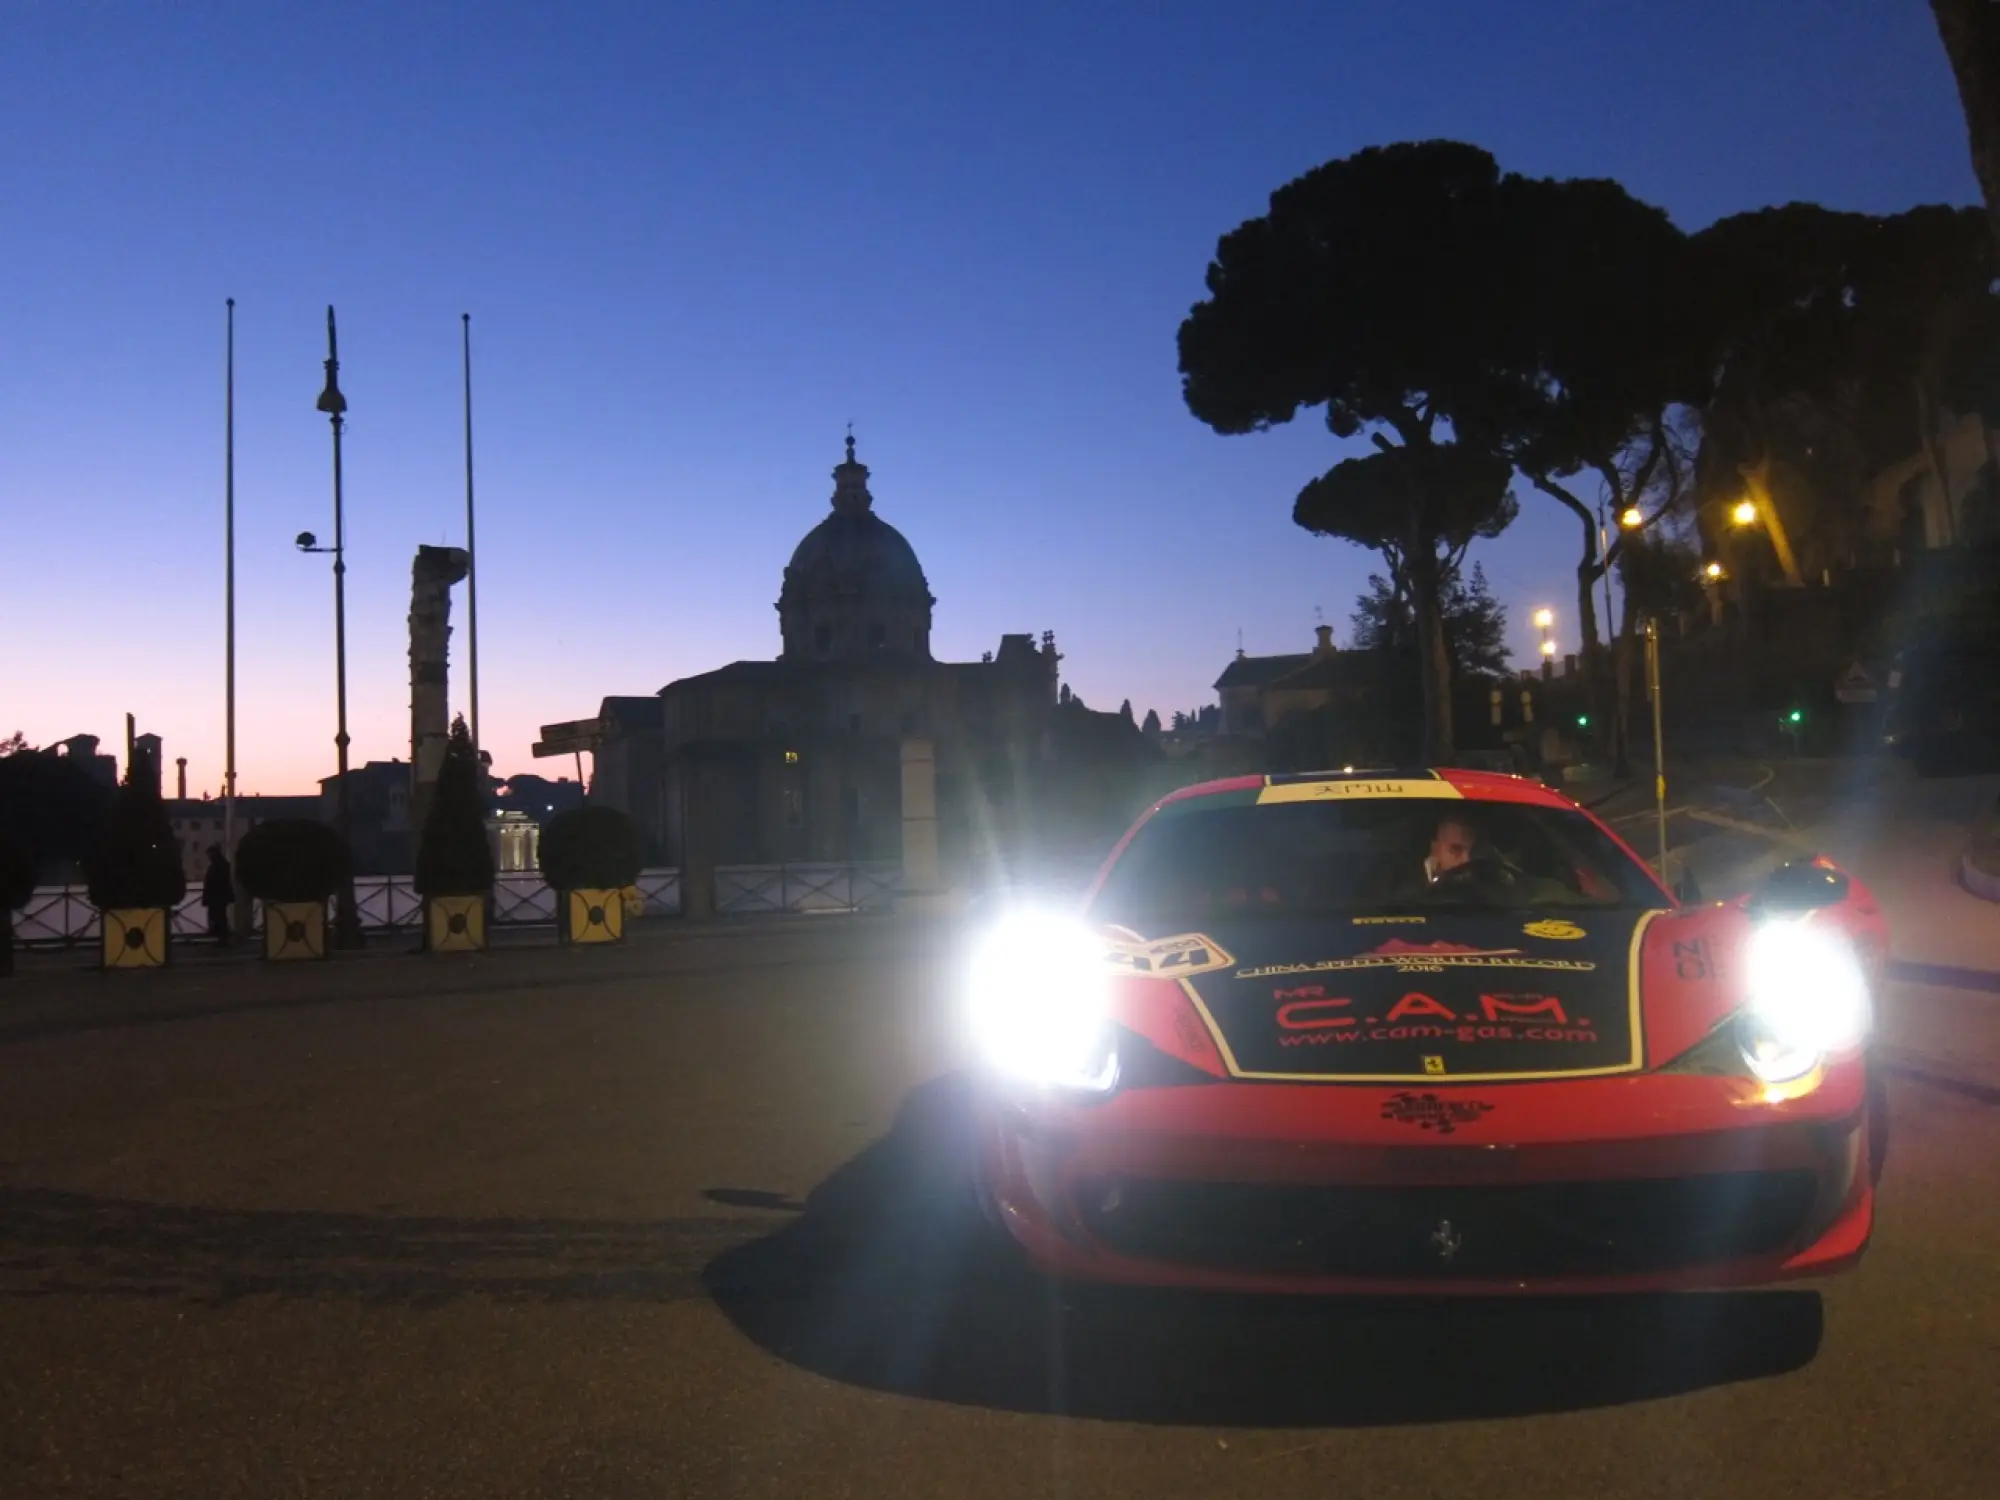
point(1634, 1064)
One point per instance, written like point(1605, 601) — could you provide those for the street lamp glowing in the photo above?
point(1544, 618)
point(1548, 648)
point(1630, 517)
point(1744, 513)
point(1712, 572)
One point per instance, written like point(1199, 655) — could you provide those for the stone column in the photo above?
point(433, 573)
point(697, 859)
point(922, 887)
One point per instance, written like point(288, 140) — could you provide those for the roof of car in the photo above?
point(1444, 784)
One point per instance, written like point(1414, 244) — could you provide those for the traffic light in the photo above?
point(1583, 721)
point(1796, 716)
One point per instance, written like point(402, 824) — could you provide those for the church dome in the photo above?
point(863, 551)
point(854, 590)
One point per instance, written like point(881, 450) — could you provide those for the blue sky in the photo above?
point(696, 241)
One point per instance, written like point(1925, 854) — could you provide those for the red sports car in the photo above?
point(1426, 1032)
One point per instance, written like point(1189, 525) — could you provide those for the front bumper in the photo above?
point(1611, 1185)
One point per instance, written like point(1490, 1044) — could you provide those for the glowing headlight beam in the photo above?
point(1808, 999)
point(1038, 1001)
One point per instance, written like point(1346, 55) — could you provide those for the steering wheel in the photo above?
point(1484, 867)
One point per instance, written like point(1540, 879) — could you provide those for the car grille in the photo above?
point(1542, 1229)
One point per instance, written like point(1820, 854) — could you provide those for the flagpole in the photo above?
point(471, 550)
point(229, 588)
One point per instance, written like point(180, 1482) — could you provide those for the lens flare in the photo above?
point(1037, 1001)
point(1808, 999)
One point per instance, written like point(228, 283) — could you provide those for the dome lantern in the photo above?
point(854, 590)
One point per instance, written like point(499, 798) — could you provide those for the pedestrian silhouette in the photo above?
point(218, 889)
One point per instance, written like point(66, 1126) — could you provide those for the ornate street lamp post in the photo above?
point(346, 919)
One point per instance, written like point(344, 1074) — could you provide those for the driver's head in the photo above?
point(1451, 845)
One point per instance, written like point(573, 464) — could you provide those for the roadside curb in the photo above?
point(1977, 881)
point(1926, 1071)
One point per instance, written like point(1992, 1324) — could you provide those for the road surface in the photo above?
point(682, 1220)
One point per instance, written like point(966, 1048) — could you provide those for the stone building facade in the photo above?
point(800, 758)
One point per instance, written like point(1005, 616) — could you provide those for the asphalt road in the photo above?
point(682, 1220)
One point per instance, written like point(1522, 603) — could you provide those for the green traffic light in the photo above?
point(1583, 721)
point(1796, 716)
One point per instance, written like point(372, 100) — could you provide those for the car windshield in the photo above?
point(1193, 861)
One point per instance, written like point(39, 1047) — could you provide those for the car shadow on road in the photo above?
point(890, 1280)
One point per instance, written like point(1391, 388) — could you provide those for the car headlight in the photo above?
point(1808, 999)
point(1038, 1002)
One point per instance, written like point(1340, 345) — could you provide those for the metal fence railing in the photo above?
point(61, 916)
point(661, 891)
point(742, 890)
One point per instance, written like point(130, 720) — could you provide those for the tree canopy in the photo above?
point(1836, 341)
point(453, 855)
point(1970, 30)
point(1380, 286)
point(1473, 323)
point(1475, 623)
point(1608, 293)
point(52, 803)
point(591, 848)
point(136, 861)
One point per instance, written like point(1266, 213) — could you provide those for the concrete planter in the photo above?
point(455, 924)
point(294, 930)
point(591, 916)
point(134, 937)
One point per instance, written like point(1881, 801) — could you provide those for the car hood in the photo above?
point(1457, 995)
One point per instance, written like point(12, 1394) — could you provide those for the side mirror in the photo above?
point(1801, 885)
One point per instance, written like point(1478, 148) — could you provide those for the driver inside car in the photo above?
point(1451, 848)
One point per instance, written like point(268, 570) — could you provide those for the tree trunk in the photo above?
point(1938, 463)
point(1587, 571)
point(1757, 480)
point(1586, 605)
point(1970, 30)
point(1433, 656)
point(1586, 614)
point(1622, 666)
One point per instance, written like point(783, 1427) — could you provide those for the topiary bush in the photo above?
point(590, 849)
point(137, 861)
point(453, 856)
point(17, 886)
point(292, 859)
point(17, 871)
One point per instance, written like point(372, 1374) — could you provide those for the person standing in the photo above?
point(218, 889)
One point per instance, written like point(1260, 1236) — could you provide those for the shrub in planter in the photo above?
point(589, 856)
point(294, 866)
point(17, 887)
point(135, 873)
point(454, 860)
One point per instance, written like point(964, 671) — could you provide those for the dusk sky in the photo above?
point(696, 241)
